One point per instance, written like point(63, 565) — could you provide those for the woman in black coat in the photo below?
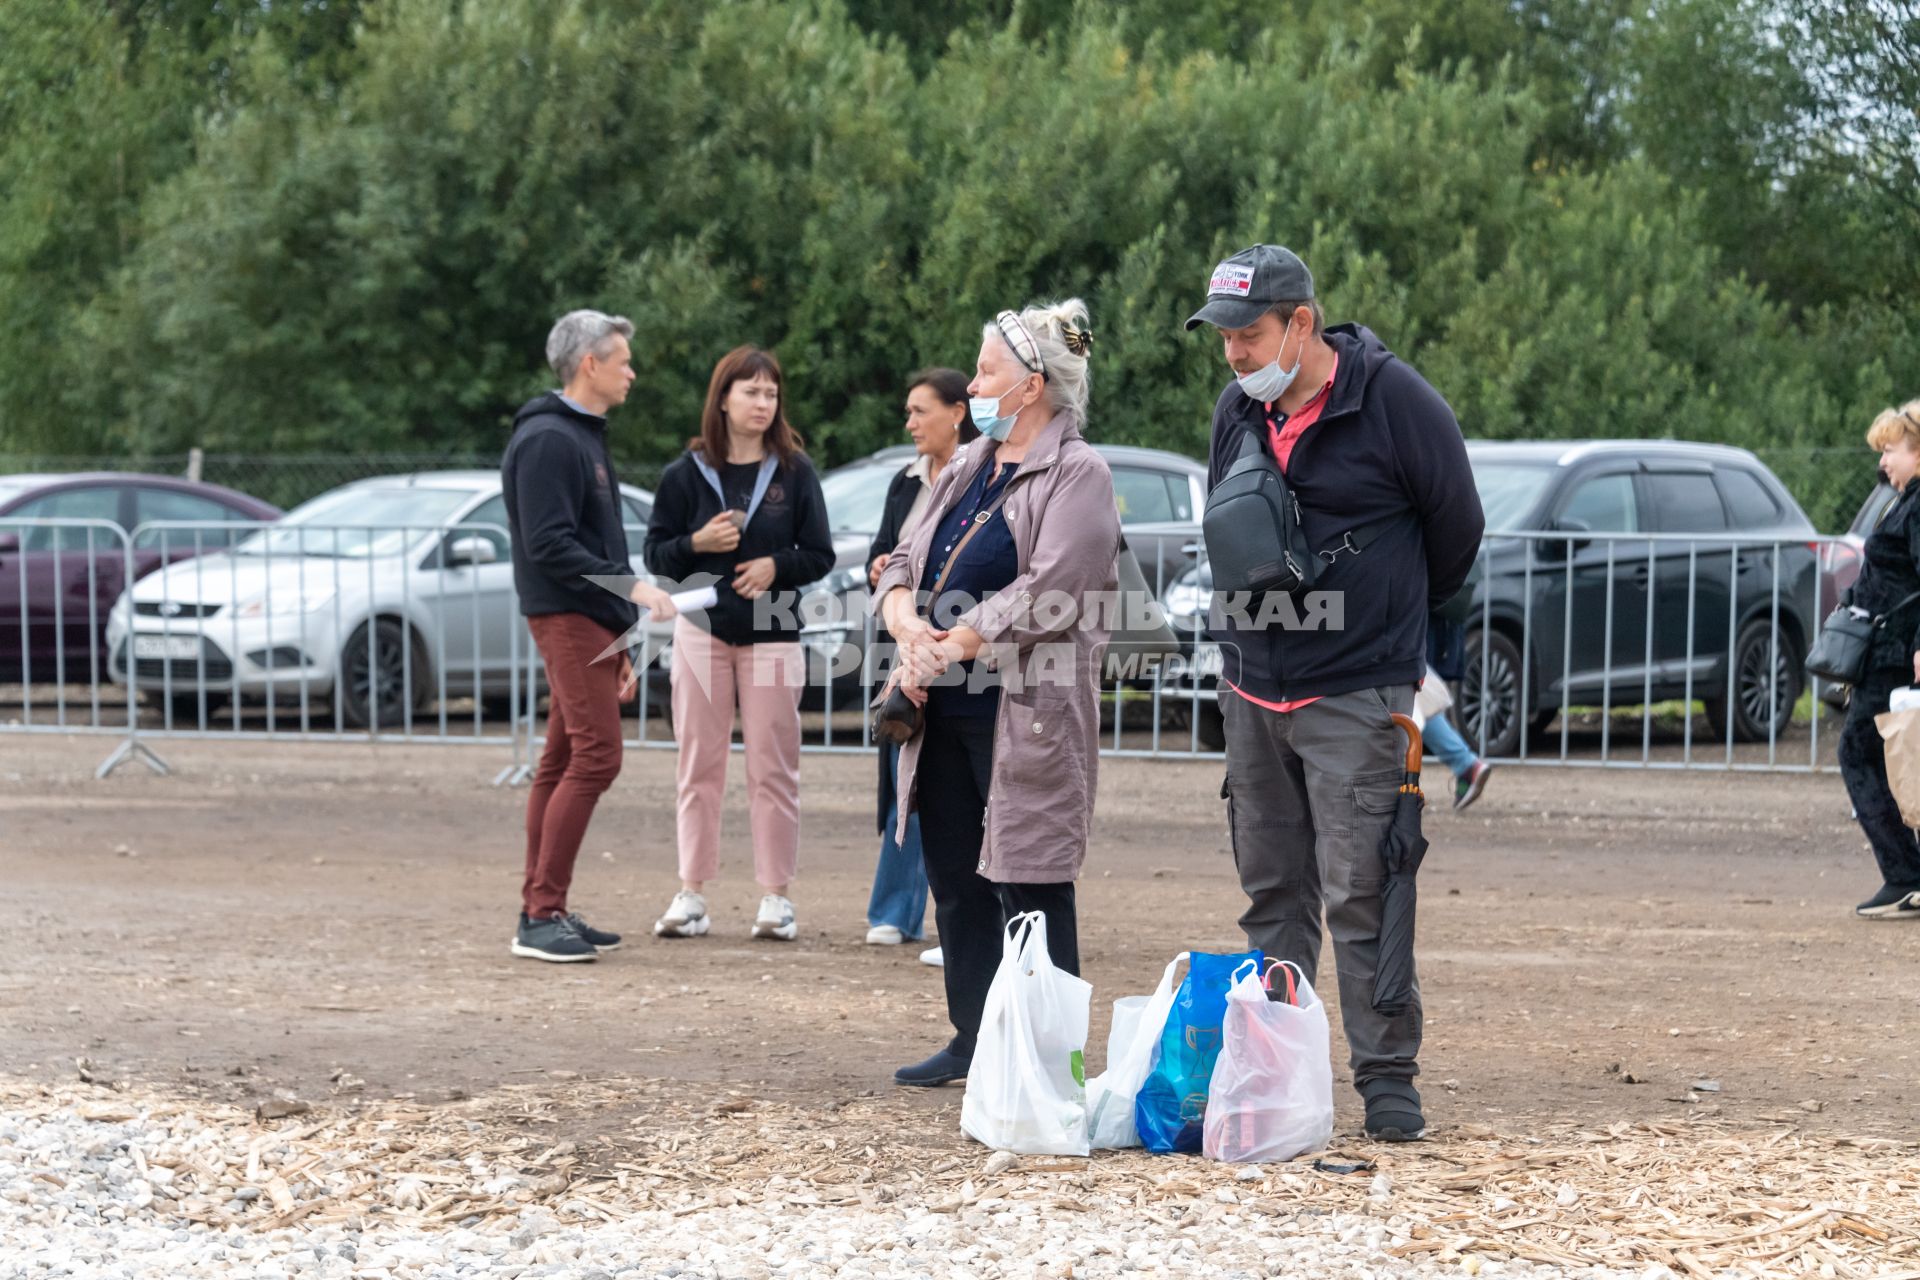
point(939, 423)
point(1890, 574)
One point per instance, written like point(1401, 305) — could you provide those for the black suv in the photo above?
point(1541, 648)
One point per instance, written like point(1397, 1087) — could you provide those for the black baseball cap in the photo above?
point(1251, 283)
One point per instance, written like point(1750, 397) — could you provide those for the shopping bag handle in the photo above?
point(1289, 968)
point(1024, 931)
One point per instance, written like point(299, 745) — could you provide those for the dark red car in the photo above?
point(67, 593)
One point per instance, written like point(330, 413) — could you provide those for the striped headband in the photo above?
point(1020, 339)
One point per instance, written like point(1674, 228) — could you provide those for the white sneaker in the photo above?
point(775, 919)
point(933, 957)
point(686, 918)
point(885, 935)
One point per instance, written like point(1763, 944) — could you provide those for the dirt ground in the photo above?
point(334, 919)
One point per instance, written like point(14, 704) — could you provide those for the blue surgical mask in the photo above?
point(987, 416)
point(1269, 382)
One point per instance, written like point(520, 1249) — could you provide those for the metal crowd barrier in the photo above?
point(236, 630)
point(1682, 617)
point(412, 633)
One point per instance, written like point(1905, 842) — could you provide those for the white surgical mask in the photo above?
point(1269, 382)
point(987, 416)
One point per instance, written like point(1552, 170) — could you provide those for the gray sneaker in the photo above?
point(555, 940)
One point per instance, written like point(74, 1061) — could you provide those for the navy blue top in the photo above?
point(989, 562)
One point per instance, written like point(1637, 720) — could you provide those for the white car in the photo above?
point(397, 592)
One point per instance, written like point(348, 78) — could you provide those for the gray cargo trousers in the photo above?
point(1310, 794)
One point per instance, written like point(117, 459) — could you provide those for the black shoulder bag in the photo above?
point(1255, 539)
point(1840, 653)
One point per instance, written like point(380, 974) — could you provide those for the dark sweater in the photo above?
point(564, 514)
point(1386, 448)
point(790, 525)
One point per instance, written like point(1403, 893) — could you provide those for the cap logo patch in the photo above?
point(1231, 279)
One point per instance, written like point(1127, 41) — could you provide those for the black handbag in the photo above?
point(1839, 654)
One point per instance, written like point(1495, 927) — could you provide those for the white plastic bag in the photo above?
point(1271, 1097)
point(1026, 1086)
point(1137, 1023)
point(1432, 699)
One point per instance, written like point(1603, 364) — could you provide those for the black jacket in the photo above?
point(901, 492)
point(1386, 448)
point(1890, 574)
point(564, 513)
point(790, 525)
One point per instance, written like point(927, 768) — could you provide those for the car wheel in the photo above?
point(1762, 703)
point(1498, 702)
point(374, 684)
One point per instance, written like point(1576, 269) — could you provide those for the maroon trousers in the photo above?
point(582, 756)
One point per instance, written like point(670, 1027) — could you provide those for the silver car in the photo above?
point(393, 593)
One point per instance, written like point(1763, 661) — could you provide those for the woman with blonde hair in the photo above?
point(988, 600)
point(1888, 587)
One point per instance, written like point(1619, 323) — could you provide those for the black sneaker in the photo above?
point(553, 939)
point(1893, 902)
point(944, 1067)
point(1393, 1111)
point(600, 938)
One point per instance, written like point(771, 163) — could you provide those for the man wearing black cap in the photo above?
point(1387, 503)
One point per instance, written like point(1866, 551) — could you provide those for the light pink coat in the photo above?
point(1046, 742)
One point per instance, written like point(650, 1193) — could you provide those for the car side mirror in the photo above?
point(9, 542)
point(471, 550)
point(1561, 548)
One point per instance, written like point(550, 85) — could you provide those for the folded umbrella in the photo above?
point(1401, 853)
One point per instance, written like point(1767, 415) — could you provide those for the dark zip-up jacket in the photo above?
point(790, 525)
point(1386, 448)
point(564, 514)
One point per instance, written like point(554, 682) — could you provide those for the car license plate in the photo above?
point(166, 646)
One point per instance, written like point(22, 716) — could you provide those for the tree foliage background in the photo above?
point(295, 225)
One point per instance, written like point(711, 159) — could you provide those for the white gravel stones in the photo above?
point(97, 1198)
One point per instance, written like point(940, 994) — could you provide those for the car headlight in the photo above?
point(286, 604)
point(1185, 598)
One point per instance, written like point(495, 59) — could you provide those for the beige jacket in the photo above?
point(1046, 744)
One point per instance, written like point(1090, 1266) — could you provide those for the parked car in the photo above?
point(371, 594)
point(69, 591)
point(1610, 487)
point(1624, 487)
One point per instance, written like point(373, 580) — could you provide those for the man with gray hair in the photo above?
point(565, 518)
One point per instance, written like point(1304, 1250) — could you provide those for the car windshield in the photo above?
point(1509, 490)
point(856, 496)
point(8, 492)
point(356, 524)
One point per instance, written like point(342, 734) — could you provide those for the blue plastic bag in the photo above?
point(1172, 1105)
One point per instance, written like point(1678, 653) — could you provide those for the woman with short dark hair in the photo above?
point(938, 422)
point(742, 510)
